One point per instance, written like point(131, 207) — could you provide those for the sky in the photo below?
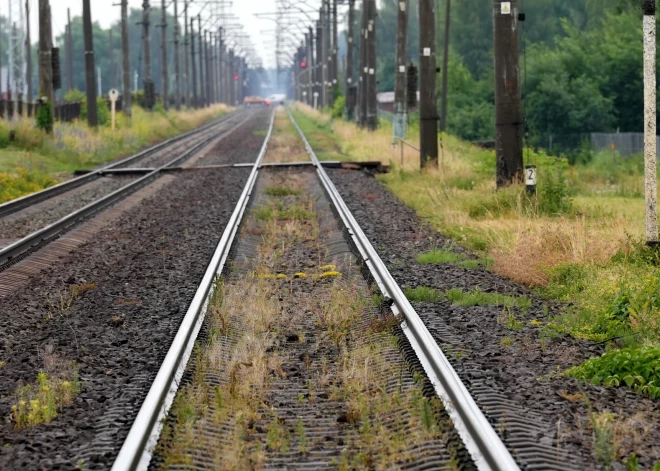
point(105, 13)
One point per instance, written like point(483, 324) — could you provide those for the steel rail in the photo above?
point(137, 449)
point(34, 198)
point(482, 442)
point(36, 239)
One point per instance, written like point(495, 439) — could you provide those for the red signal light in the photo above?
point(235, 77)
point(303, 64)
point(267, 102)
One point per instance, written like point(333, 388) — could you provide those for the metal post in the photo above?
point(335, 47)
point(202, 80)
point(112, 63)
point(125, 58)
point(90, 82)
point(445, 71)
point(400, 117)
point(324, 55)
point(650, 149)
point(508, 105)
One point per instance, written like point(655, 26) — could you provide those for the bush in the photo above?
point(338, 107)
point(554, 194)
point(102, 110)
point(638, 368)
point(45, 117)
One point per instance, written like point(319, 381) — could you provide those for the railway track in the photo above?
point(298, 417)
point(36, 220)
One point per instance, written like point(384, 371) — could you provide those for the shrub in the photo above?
point(554, 194)
point(338, 107)
point(637, 368)
point(45, 118)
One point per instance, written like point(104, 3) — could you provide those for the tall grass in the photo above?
point(33, 160)
point(575, 241)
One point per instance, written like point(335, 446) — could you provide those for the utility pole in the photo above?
point(186, 59)
point(177, 71)
point(372, 101)
point(90, 82)
point(69, 52)
point(400, 117)
point(508, 106)
point(193, 64)
point(146, 38)
point(202, 80)
point(650, 151)
point(28, 48)
point(112, 64)
point(350, 94)
point(335, 48)
point(125, 60)
point(163, 60)
point(45, 57)
point(364, 68)
point(319, 64)
point(221, 68)
point(207, 70)
point(324, 53)
point(445, 70)
point(427, 89)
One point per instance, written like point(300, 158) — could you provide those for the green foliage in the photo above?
point(102, 110)
point(75, 95)
point(338, 107)
point(282, 191)
point(554, 194)
point(45, 118)
point(423, 294)
point(637, 368)
point(439, 256)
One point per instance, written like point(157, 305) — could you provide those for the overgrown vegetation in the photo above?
point(637, 368)
point(55, 388)
point(33, 160)
point(461, 298)
point(580, 240)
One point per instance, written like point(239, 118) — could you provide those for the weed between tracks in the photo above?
point(55, 388)
point(285, 144)
point(287, 374)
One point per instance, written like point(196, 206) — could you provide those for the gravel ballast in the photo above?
point(143, 269)
point(518, 382)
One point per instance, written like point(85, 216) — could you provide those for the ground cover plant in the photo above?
point(578, 240)
point(31, 160)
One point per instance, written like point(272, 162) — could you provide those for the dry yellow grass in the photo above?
point(285, 145)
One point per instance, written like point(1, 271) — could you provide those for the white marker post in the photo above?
point(650, 150)
point(114, 96)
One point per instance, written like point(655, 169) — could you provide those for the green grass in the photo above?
point(444, 256)
point(34, 161)
point(423, 294)
point(282, 191)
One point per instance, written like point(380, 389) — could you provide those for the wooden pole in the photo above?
point(163, 56)
point(193, 63)
point(45, 56)
point(90, 77)
point(125, 57)
point(28, 41)
point(508, 104)
point(372, 101)
point(146, 37)
point(445, 71)
point(186, 58)
point(177, 59)
point(427, 93)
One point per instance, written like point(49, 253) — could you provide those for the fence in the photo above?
point(63, 111)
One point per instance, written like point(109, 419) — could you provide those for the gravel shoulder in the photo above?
point(517, 381)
